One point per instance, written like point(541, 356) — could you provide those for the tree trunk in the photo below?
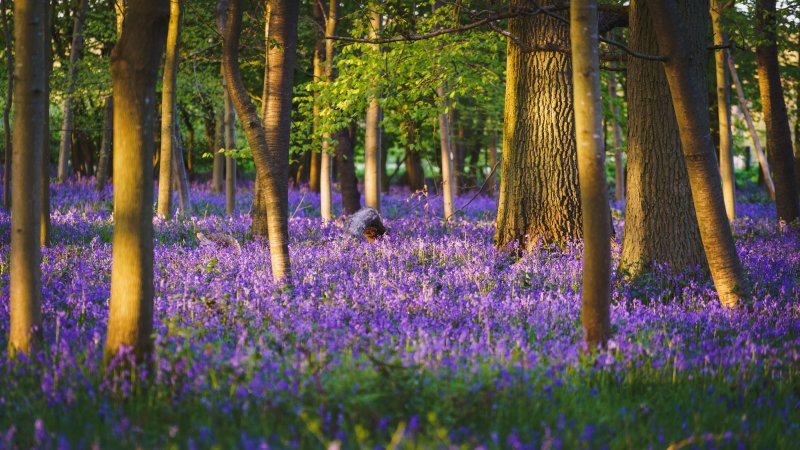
point(384, 159)
point(724, 112)
point(270, 143)
point(660, 222)
point(595, 295)
point(372, 135)
point(179, 169)
point(314, 177)
point(30, 112)
point(456, 148)
point(44, 225)
point(779, 138)
point(218, 169)
point(168, 110)
point(492, 184)
point(326, 163)
point(187, 121)
point(764, 176)
point(539, 191)
point(619, 163)
point(7, 107)
point(348, 182)
point(134, 72)
point(66, 125)
point(230, 161)
point(448, 187)
point(701, 164)
point(108, 141)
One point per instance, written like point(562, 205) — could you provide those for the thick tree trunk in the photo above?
point(134, 71)
point(660, 221)
point(372, 136)
point(30, 112)
point(168, 110)
point(107, 143)
point(779, 138)
point(698, 150)
point(595, 294)
point(348, 182)
point(539, 191)
point(7, 106)
point(724, 112)
point(270, 143)
point(66, 125)
point(619, 163)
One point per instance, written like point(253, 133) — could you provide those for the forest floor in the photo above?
point(428, 338)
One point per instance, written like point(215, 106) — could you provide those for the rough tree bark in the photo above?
point(698, 150)
point(372, 135)
point(168, 117)
point(66, 125)
point(660, 221)
point(776, 118)
point(270, 143)
point(595, 294)
point(539, 192)
point(30, 111)
point(724, 111)
point(134, 71)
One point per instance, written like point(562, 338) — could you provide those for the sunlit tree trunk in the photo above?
point(134, 71)
point(539, 191)
point(107, 143)
point(698, 150)
point(30, 111)
point(168, 118)
point(660, 221)
point(446, 154)
point(270, 143)
point(372, 136)
point(66, 125)
point(595, 295)
point(7, 106)
point(724, 112)
point(776, 118)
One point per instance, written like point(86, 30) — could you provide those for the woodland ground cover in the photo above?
point(428, 338)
